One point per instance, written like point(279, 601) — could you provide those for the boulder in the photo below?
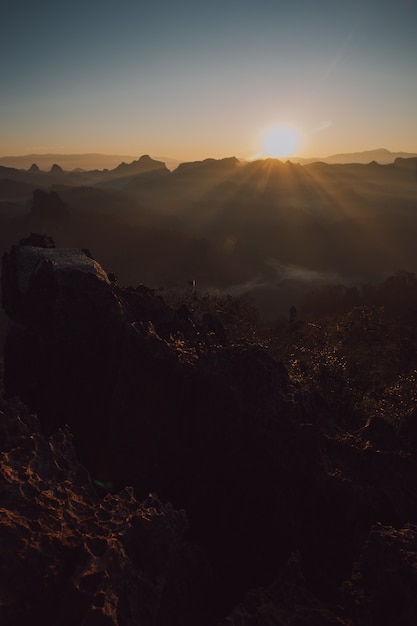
point(62, 348)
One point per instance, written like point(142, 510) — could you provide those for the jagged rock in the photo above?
point(64, 347)
point(143, 305)
point(161, 400)
point(70, 557)
point(166, 416)
point(56, 169)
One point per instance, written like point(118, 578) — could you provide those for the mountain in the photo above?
point(381, 156)
point(206, 166)
point(69, 162)
point(171, 163)
point(270, 229)
point(56, 170)
point(77, 177)
point(143, 165)
point(97, 161)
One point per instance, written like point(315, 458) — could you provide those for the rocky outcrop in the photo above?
point(50, 296)
point(278, 497)
point(72, 557)
point(56, 169)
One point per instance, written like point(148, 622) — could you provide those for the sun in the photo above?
point(280, 141)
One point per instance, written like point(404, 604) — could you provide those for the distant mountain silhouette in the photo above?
point(142, 178)
point(144, 164)
point(381, 156)
point(70, 162)
point(269, 228)
point(408, 164)
point(56, 169)
point(96, 161)
point(171, 163)
point(208, 165)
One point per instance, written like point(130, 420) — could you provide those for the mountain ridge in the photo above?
point(96, 161)
point(76, 161)
point(380, 155)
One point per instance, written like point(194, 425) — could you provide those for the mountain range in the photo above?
point(93, 161)
point(380, 155)
point(269, 229)
point(69, 162)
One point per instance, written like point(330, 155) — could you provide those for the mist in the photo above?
point(267, 230)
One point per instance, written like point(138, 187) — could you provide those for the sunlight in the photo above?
point(280, 141)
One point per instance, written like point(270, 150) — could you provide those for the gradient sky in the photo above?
point(191, 80)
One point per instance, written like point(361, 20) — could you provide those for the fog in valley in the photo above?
point(267, 230)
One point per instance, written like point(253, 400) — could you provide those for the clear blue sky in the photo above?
point(191, 80)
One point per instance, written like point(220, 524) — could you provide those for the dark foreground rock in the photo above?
point(279, 499)
point(69, 557)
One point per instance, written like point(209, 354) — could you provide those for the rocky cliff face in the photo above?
point(278, 498)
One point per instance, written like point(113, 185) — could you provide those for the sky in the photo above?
point(191, 80)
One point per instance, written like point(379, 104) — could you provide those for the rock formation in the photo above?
point(279, 499)
point(56, 169)
point(70, 557)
